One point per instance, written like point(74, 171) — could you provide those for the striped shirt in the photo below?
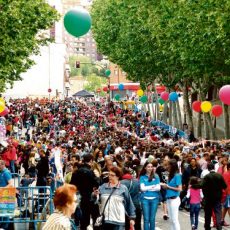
point(57, 221)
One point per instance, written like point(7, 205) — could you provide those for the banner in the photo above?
point(7, 201)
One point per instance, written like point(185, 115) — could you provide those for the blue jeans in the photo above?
point(194, 214)
point(149, 207)
point(12, 166)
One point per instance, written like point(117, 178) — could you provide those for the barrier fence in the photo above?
point(25, 207)
point(172, 130)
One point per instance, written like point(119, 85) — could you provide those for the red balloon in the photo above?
point(4, 112)
point(196, 106)
point(217, 110)
point(105, 89)
point(165, 96)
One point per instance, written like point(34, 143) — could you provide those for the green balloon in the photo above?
point(77, 21)
point(117, 97)
point(161, 101)
point(107, 72)
point(144, 99)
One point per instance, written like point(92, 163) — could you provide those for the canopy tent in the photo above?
point(83, 93)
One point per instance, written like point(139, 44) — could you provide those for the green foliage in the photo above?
point(87, 67)
point(21, 22)
point(85, 70)
point(95, 82)
point(174, 41)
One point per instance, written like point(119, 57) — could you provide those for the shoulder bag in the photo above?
point(100, 220)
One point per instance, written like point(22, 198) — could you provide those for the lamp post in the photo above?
point(49, 90)
point(107, 74)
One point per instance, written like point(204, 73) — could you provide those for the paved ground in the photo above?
point(184, 221)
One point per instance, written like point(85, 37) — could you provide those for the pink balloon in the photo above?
point(217, 110)
point(4, 112)
point(224, 94)
point(165, 96)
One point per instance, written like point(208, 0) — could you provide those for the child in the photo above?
point(195, 196)
point(23, 191)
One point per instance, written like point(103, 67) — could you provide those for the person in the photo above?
point(195, 195)
point(133, 186)
point(119, 204)
point(212, 186)
point(173, 189)
point(193, 169)
point(65, 202)
point(69, 173)
point(162, 172)
point(5, 181)
point(12, 156)
point(24, 184)
point(42, 170)
point(223, 168)
point(5, 176)
point(32, 165)
point(226, 201)
point(86, 181)
point(150, 191)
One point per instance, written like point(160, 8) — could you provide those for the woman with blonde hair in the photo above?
point(96, 169)
point(32, 164)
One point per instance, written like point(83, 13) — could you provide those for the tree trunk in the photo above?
point(174, 114)
point(206, 129)
point(209, 128)
point(170, 113)
point(152, 97)
point(155, 113)
point(226, 122)
point(188, 110)
point(165, 112)
point(148, 106)
point(157, 104)
point(179, 115)
point(199, 126)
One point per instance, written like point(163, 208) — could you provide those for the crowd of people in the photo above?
point(105, 162)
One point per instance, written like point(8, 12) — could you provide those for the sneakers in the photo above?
point(193, 227)
point(223, 223)
point(165, 217)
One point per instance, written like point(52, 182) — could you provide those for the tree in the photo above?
point(21, 22)
point(175, 42)
point(86, 65)
point(95, 82)
point(85, 70)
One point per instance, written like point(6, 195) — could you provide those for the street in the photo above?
point(184, 221)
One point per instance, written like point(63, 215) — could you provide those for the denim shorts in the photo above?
point(163, 195)
point(227, 202)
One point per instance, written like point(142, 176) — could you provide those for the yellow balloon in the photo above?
point(2, 106)
point(206, 106)
point(2, 100)
point(161, 107)
point(130, 102)
point(140, 92)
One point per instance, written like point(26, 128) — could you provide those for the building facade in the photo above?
point(48, 71)
point(84, 45)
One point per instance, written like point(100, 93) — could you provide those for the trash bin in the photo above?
point(25, 225)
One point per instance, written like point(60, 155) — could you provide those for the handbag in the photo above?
point(100, 219)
